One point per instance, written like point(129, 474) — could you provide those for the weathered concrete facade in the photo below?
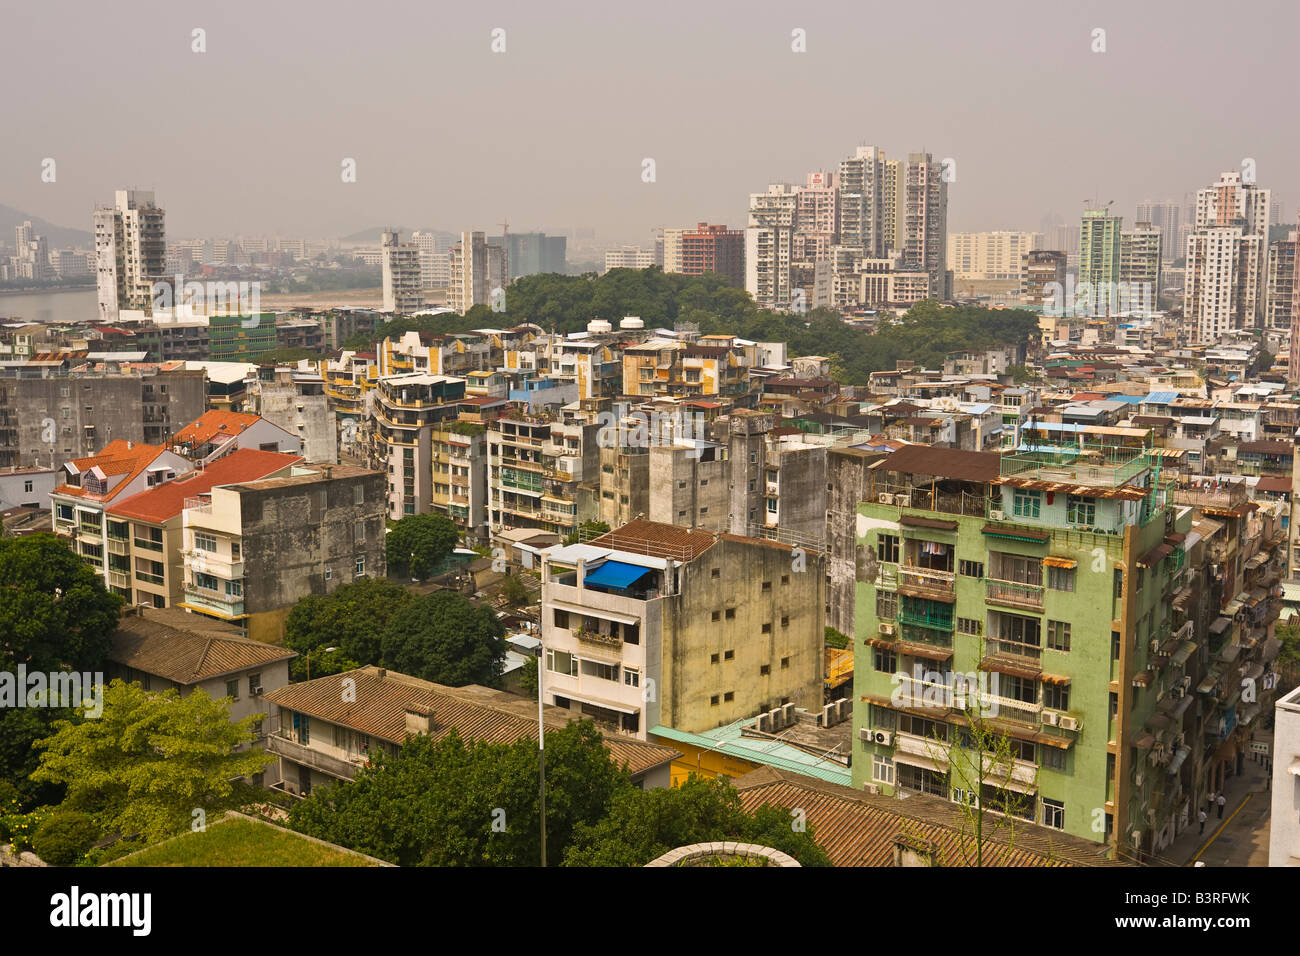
point(847, 474)
point(689, 486)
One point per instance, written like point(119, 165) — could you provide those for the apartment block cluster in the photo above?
point(33, 260)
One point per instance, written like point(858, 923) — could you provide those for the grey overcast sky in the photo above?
point(248, 137)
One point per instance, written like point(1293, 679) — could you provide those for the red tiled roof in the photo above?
point(119, 457)
point(213, 423)
point(167, 500)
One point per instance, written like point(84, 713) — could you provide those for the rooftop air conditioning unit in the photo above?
point(997, 515)
point(887, 628)
point(1068, 723)
point(903, 501)
point(885, 499)
point(1051, 718)
point(882, 737)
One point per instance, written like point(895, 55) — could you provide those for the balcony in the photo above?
point(922, 618)
point(119, 579)
point(119, 546)
point(918, 746)
point(1014, 594)
point(924, 583)
point(313, 759)
point(1011, 708)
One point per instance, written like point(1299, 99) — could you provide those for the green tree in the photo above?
point(151, 760)
point(417, 544)
point(55, 615)
point(54, 611)
point(453, 803)
point(352, 619)
point(514, 591)
point(644, 824)
point(836, 639)
point(445, 638)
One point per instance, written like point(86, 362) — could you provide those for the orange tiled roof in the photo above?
point(658, 539)
point(213, 424)
point(119, 457)
point(168, 499)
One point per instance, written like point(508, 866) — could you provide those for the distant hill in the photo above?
point(57, 237)
point(372, 235)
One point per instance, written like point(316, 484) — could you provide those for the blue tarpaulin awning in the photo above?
point(615, 574)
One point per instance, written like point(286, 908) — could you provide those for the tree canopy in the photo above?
point(352, 619)
point(445, 638)
point(644, 824)
point(567, 303)
point(151, 759)
point(417, 545)
point(453, 803)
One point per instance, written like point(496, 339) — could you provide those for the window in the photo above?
point(970, 625)
point(731, 613)
point(886, 605)
point(713, 658)
point(1060, 579)
point(233, 588)
point(887, 548)
point(715, 573)
point(713, 701)
point(886, 662)
point(361, 567)
point(882, 769)
point(728, 655)
point(729, 696)
point(358, 495)
point(785, 662)
point(1053, 814)
point(232, 689)
point(1055, 759)
point(785, 621)
point(767, 585)
point(717, 615)
point(329, 573)
point(205, 542)
point(27, 486)
point(359, 532)
point(254, 684)
point(1056, 696)
point(560, 619)
point(1058, 635)
point(206, 581)
point(631, 677)
point(971, 569)
point(767, 628)
point(1119, 583)
point(764, 670)
point(562, 662)
point(1027, 504)
point(1081, 510)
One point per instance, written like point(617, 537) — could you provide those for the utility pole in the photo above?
point(541, 752)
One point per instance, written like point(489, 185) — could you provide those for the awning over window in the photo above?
point(1017, 534)
point(1052, 561)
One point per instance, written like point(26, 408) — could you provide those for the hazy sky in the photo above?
point(248, 137)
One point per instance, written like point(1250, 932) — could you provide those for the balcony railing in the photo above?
point(918, 746)
point(923, 619)
point(1014, 593)
point(940, 582)
point(999, 647)
point(595, 637)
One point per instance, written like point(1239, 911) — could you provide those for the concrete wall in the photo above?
point(313, 425)
point(1284, 827)
point(688, 491)
point(759, 584)
point(847, 476)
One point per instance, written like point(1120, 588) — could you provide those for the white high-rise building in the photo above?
point(401, 269)
point(1140, 255)
point(130, 252)
point(1226, 258)
point(672, 250)
point(925, 222)
point(435, 260)
point(862, 201)
point(1166, 216)
point(478, 270)
point(769, 240)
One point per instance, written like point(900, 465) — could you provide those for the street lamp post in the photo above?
point(320, 650)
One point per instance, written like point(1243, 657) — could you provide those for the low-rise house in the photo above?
point(217, 433)
point(322, 735)
point(166, 648)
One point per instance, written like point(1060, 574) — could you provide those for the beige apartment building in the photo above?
point(654, 624)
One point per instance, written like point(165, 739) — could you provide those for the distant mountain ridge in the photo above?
point(56, 237)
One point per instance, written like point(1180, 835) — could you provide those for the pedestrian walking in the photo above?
point(1209, 801)
point(1202, 816)
point(1221, 801)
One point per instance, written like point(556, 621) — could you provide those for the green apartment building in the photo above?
point(1043, 576)
point(236, 338)
point(1099, 248)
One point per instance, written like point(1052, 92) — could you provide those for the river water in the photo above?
point(71, 305)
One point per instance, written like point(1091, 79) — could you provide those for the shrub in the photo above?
point(65, 837)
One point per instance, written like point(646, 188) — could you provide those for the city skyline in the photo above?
point(541, 163)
